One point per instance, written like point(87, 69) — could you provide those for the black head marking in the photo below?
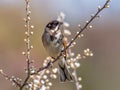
point(53, 24)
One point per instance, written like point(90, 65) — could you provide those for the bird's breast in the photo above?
point(52, 44)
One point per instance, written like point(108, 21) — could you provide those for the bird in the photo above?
point(54, 42)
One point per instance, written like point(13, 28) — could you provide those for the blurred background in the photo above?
point(100, 72)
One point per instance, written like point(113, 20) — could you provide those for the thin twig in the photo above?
point(27, 43)
point(76, 80)
point(10, 78)
point(76, 36)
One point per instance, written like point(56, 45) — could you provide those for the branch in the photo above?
point(27, 40)
point(17, 81)
point(12, 79)
point(78, 86)
point(75, 37)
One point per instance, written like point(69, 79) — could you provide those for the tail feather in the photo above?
point(64, 73)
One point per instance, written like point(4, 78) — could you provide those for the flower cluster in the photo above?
point(41, 80)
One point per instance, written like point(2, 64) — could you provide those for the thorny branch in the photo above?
point(75, 37)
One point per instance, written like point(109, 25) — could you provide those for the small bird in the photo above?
point(54, 42)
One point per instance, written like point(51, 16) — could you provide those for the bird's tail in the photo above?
point(64, 71)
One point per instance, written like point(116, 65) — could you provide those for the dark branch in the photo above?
point(14, 80)
point(27, 44)
point(76, 36)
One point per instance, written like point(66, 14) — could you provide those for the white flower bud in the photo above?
point(1, 71)
point(44, 76)
point(47, 71)
point(23, 53)
point(77, 64)
point(79, 78)
point(31, 33)
point(55, 70)
point(66, 24)
point(32, 26)
point(36, 81)
point(50, 84)
point(42, 82)
point(99, 7)
point(90, 26)
point(67, 32)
